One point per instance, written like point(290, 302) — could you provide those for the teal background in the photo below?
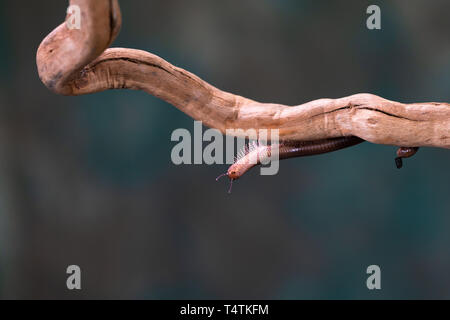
point(89, 181)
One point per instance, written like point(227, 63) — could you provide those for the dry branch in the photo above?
point(75, 62)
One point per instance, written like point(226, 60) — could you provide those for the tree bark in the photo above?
point(75, 62)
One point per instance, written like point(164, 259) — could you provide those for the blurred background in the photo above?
point(89, 181)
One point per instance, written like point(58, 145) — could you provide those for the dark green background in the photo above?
point(88, 180)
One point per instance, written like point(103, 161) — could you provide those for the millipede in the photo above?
point(254, 154)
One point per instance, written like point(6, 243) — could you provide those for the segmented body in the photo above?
point(255, 154)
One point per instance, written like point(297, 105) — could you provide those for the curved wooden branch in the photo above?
point(75, 62)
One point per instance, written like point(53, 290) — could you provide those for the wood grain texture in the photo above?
point(76, 62)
